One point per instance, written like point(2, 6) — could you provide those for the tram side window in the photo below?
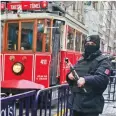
point(83, 41)
point(77, 41)
point(26, 36)
point(48, 28)
point(1, 45)
point(70, 38)
point(13, 36)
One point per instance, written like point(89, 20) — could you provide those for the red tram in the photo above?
point(35, 43)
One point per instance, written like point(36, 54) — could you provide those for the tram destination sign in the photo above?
point(27, 5)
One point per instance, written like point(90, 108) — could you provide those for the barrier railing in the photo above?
point(112, 89)
point(48, 102)
point(3, 95)
point(49, 97)
point(110, 95)
point(51, 101)
point(18, 105)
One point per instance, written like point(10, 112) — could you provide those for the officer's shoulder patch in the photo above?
point(107, 72)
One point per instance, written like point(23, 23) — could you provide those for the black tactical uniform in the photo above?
point(95, 68)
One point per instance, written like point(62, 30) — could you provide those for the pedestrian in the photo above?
point(94, 71)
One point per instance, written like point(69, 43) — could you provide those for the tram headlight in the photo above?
point(18, 68)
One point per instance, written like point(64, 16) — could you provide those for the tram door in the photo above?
point(56, 35)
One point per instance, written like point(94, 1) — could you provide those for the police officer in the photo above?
point(94, 71)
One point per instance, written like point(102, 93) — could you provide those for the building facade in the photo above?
point(100, 19)
point(73, 8)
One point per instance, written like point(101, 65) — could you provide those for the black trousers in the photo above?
point(75, 113)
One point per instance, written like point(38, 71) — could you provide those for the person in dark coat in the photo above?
point(25, 45)
point(94, 71)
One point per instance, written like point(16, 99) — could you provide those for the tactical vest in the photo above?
point(86, 68)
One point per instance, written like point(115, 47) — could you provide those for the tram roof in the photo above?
point(67, 18)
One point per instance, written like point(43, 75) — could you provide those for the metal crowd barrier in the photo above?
point(18, 104)
point(57, 95)
point(48, 102)
point(3, 95)
point(51, 101)
point(111, 88)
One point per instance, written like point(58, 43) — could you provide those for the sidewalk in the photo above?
point(109, 109)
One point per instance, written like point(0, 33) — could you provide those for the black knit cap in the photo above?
point(95, 39)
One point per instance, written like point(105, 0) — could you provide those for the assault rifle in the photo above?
point(76, 76)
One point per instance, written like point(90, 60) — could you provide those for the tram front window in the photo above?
point(40, 35)
point(26, 36)
point(13, 36)
point(43, 36)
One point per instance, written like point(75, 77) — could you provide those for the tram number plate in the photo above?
point(54, 94)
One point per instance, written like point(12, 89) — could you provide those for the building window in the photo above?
point(74, 6)
point(108, 24)
point(101, 6)
point(109, 49)
point(95, 5)
point(77, 5)
point(107, 32)
point(102, 47)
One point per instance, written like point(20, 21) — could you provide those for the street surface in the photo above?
point(109, 109)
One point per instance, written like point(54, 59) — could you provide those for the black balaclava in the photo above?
point(89, 49)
